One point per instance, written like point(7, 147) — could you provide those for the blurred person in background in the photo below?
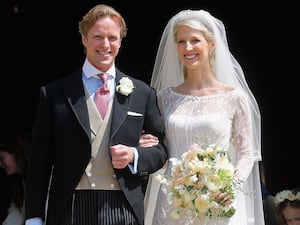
point(288, 207)
point(14, 151)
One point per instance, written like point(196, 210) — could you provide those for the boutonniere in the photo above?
point(125, 86)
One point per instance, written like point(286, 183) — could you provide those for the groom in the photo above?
point(85, 169)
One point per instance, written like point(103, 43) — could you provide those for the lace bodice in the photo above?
point(221, 119)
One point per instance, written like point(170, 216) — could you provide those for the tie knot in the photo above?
point(103, 77)
point(103, 88)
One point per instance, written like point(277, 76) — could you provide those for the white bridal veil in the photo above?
point(168, 70)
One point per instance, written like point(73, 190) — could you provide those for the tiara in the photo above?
point(286, 195)
point(201, 16)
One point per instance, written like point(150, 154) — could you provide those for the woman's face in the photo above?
point(193, 48)
point(291, 215)
point(8, 163)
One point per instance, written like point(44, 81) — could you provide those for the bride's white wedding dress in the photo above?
point(222, 120)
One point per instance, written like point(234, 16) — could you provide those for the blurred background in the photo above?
point(40, 42)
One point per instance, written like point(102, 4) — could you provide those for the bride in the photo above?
point(204, 99)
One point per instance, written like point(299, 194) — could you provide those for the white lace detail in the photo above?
point(222, 120)
point(219, 120)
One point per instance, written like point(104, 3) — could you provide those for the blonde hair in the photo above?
point(97, 12)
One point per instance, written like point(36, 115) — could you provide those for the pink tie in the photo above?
point(102, 95)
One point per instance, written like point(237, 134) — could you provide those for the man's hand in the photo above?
point(122, 155)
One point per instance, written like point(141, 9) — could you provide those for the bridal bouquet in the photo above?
point(195, 181)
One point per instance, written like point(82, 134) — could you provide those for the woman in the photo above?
point(14, 161)
point(5, 195)
point(204, 99)
point(288, 207)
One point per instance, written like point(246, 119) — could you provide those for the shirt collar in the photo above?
point(90, 71)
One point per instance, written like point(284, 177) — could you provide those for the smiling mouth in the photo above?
point(104, 53)
point(189, 57)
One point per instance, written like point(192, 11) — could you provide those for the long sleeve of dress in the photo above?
point(221, 120)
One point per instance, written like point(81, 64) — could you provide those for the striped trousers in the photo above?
point(99, 207)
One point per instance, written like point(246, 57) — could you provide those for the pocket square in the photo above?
point(129, 113)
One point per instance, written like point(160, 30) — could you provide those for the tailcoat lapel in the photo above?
point(76, 98)
point(120, 108)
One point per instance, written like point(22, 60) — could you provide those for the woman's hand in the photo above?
point(224, 199)
point(148, 140)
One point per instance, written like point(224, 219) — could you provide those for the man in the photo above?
point(93, 165)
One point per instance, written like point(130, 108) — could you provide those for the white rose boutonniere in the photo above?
point(125, 86)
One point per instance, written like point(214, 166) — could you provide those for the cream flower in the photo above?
point(125, 87)
point(195, 180)
point(286, 195)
